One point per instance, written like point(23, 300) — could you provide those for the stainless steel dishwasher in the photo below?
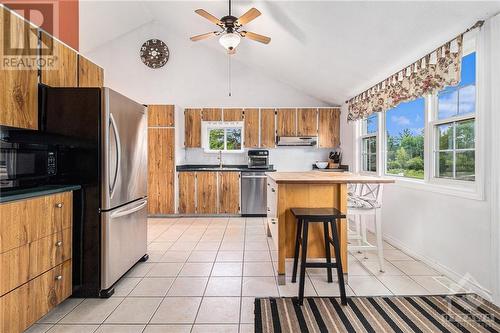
point(253, 194)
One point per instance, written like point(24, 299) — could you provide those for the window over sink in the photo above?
point(222, 136)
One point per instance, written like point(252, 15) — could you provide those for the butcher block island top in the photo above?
point(310, 189)
point(319, 177)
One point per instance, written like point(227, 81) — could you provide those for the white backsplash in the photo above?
point(283, 158)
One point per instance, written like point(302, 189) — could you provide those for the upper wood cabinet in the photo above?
point(18, 87)
point(192, 128)
point(64, 72)
point(187, 192)
point(307, 122)
point(267, 128)
point(161, 170)
point(329, 127)
point(229, 192)
point(161, 115)
point(211, 114)
point(287, 122)
point(234, 114)
point(206, 192)
point(251, 139)
point(89, 74)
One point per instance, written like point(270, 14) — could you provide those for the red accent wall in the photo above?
point(60, 18)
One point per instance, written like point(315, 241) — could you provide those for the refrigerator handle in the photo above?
point(129, 211)
point(118, 155)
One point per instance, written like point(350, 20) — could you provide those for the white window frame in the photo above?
point(473, 42)
point(360, 142)
point(206, 126)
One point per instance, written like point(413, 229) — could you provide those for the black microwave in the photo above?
point(26, 164)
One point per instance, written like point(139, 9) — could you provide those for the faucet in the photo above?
point(220, 159)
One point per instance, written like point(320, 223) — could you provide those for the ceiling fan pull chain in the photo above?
point(229, 72)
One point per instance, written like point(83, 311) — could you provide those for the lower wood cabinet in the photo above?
point(23, 306)
point(35, 258)
point(209, 192)
point(206, 192)
point(229, 192)
point(187, 192)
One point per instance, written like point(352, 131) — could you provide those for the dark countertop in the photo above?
point(25, 193)
point(225, 167)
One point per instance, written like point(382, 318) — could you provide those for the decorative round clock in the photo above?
point(154, 53)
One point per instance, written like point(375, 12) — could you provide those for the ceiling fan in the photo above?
point(231, 33)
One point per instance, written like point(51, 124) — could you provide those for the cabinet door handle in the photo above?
point(59, 243)
point(59, 205)
point(58, 278)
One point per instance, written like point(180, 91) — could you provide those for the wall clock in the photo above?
point(154, 53)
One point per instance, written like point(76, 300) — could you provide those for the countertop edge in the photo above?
point(331, 180)
point(37, 192)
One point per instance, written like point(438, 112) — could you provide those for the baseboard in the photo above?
point(465, 282)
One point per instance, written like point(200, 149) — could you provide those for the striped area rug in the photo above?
point(450, 313)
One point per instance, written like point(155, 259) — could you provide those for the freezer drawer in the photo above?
point(124, 240)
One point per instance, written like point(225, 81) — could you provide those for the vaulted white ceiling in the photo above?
point(330, 50)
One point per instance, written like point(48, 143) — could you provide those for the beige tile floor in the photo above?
point(204, 273)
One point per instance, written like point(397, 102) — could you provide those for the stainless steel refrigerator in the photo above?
point(110, 162)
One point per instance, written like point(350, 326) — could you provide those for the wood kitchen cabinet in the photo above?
point(229, 192)
point(89, 74)
point(251, 139)
point(161, 170)
point(35, 258)
point(161, 115)
point(267, 128)
point(187, 192)
point(211, 114)
point(64, 72)
point(19, 88)
point(206, 192)
point(287, 122)
point(307, 122)
point(329, 127)
point(192, 128)
point(234, 114)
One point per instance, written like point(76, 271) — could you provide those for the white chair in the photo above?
point(365, 200)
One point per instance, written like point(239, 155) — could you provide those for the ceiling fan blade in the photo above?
point(209, 16)
point(202, 36)
point(255, 37)
point(250, 15)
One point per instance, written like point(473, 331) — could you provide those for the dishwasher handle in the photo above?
point(254, 177)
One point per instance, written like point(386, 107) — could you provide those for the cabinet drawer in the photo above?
point(24, 221)
point(54, 213)
point(14, 268)
point(273, 227)
point(49, 251)
point(49, 289)
point(25, 305)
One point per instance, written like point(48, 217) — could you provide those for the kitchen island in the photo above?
point(311, 189)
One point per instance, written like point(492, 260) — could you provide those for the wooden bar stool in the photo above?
point(326, 216)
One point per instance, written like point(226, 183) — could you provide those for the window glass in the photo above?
point(216, 139)
point(455, 149)
point(460, 100)
point(369, 154)
point(233, 138)
point(370, 124)
point(405, 139)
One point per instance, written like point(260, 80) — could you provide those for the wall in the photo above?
point(459, 236)
point(198, 76)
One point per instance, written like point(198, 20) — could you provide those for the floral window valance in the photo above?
point(435, 71)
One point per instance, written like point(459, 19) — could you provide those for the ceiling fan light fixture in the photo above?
point(230, 40)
